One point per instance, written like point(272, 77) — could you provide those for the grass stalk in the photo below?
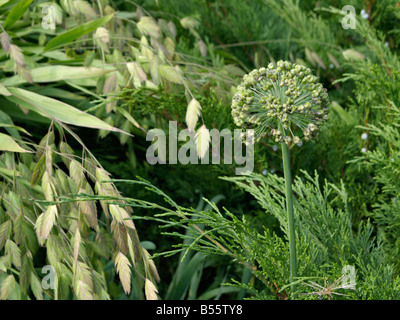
point(290, 215)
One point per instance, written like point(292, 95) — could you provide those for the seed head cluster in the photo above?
point(282, 100)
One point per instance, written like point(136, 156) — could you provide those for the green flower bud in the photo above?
point(283, 98)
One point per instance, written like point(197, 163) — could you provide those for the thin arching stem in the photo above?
point(290, 215)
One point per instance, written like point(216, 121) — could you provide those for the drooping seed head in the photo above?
point(283, 100)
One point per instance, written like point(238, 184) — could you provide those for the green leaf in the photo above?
point(4, 91)
point(3, 2)
point(36, 287)
point(75, 33)
point(181, 280)
point(347, 118)
point(211, 294)
point(8, 126)
point(16, 13)
point(57, 110)
point(129, 117)
point(57, 73)
point(6, 120)
point(8, 144)
point(59, 93)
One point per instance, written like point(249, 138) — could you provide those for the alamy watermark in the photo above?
point(349, 277)
point(349, 20)
point(52, 17)
point(49, 280)
point(234, 150)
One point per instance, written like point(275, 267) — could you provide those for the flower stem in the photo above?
point(290, 214)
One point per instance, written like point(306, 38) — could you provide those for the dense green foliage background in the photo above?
point(76, 103)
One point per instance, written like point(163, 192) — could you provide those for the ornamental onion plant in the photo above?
point(285, 102)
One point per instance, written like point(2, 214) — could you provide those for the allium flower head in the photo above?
point(283, 100)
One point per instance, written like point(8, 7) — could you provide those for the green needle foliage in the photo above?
point(326, 242)
point(82, 82)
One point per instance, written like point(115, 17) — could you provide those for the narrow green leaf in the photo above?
point(6, 126)
point(129, 117)
point(3, 2)
point(347, 118)
point(36, 287)
point(16, 13)
point(55, 74)
point(57, 110)
point(5, 119)
point(8, 144)
point(4, 91)
point(75, 33)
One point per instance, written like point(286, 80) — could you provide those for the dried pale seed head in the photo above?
point(282, 100)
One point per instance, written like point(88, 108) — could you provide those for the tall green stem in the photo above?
point(290, 214)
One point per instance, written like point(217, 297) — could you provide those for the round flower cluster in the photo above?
point(281, 100)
